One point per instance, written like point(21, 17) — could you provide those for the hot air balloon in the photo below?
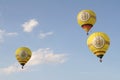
point(98, 43)
point(86, 19)
point(23, 54)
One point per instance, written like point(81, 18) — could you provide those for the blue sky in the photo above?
point(58, 43)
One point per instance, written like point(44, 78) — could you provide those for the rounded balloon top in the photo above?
point(86, 17)
point(20, 49)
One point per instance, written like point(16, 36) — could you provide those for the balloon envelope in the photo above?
point(23, 54)
point(86, 19)
point(98, 43)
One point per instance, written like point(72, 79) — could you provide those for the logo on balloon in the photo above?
point(98, 42)
point(23, 54)
point(84, 16)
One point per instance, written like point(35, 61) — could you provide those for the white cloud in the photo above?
point(41, 56)
point(11, 69)
point(43, 35)
point(3, 34)
point(29, 25)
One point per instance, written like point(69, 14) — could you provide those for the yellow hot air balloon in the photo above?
point(23, 54)
point(98, 43)
point(86, 19)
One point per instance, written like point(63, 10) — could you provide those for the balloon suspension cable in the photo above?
point(87, 33)
point(100, 59)
point(22, 67)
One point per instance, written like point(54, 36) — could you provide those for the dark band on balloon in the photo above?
point(99, 52)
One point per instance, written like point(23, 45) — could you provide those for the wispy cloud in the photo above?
point(40, 56)
point(43, 56)
point(43, 35)
point(29, 25)
point(11, 69)
point(4, 33)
